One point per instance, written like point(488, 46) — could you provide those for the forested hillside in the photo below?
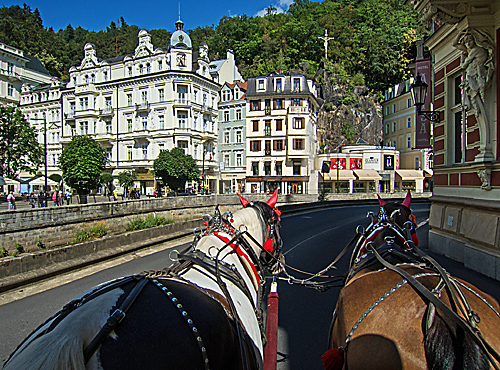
point(373, 39)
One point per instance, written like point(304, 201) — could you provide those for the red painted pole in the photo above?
point(270, 352)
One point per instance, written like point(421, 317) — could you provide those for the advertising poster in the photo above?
point(423, 127)
point(356, 164)
point(340, 161)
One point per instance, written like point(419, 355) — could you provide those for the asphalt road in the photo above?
point(311, 242)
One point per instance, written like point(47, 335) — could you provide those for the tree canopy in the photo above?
point(126, 178)
point(82, 163)
point(175, 167)
point(19, 147)
point(371, 37)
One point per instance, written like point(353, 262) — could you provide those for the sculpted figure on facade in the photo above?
point(477, 61)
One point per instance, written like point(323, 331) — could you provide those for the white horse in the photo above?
point(202, 313)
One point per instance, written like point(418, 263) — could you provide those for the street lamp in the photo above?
point(418, 94)
point(44, 145)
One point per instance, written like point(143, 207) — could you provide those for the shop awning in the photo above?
point(10, 181)
point(41, 181)
point(367, 175)
point(344, 175)
point(428, 173)
point(410, 175)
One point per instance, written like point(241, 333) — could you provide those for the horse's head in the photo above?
point(270, 255)
point(399, 214)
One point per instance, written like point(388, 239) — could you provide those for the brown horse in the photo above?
point(399, 309)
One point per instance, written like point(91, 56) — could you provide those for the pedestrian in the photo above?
point(115, 195)
point(32, 199)
point(11, 201)
point(42, 199)
point(59, 198)
point(54, 198)
point(68, 196)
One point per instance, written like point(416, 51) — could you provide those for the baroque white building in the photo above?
point(140, 104)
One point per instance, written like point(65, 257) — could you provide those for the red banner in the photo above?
point(423, 126)
point(340, 161)
point(356, 164)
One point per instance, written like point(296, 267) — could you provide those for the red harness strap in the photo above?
point(226, 239)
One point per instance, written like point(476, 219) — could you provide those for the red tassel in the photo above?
point(414, 237)
point(333, 359)
point(268, 246)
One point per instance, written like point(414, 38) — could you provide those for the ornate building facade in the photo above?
point(232, 137)
point(140, 104)
point(464, 221)
point(281, 135)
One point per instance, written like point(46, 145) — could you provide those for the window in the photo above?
point(238, 136)
point(183, 145)
point(182, 118)
point(296, 84)
point(226, 137)
point(84, 128)
point(226, 115)
point(386, 111)
point(387, 128)
point(238, 114)
point(238, 159)
point(84, 103)
point(279, 125)
point(298, 144)
point(278, 104)
point(408, 103)
point(144, 123)
point(144, 97)
point(255, 168)
point(279, 168)
point(130, 71)
point(267, 147)
point(181, 94)
point(296, 168)
point(226, 160)
point(296, 102)
point(267, 168)
point(255, 145)
point(144, 149)
point(394, 127)
point(129, 100)
point(254, 105)
point(408, 142)
point(161, 94)
point(408, 122)
point(141, 69)
point(298, 123)
point(394, 108)
point(267, 127)
point(255, 126)
point(161, 121)
point(278, 145)
point(267, 106)
point(458, 129)
point(10, 90)
point(109, 153)
point(161, 147)
point(279, 85)
point(148, 68)
point(458, 90)
point(129, 152)
point(129, 125)
point(109, 127)
point(260, 85)
point(160, 65)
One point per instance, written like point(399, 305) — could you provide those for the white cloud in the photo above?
point(281, 7)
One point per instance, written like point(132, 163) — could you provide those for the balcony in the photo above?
point(106, 112)
point(299, 109)
point(105, 138)
point(86, 89)
point(143, 107)
point(69, 116)
point(86, 113)
point(182, 102)
point(267, 110)
point(11, 75)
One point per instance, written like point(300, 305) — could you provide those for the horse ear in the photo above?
point(243, 201)
point(407, 201)
point(274, 198)
point(380, 201)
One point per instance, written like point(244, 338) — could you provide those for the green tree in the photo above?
point(175, 167)
point(82, 163)
point(19, 147)
point(126, 178)
point(106, 180)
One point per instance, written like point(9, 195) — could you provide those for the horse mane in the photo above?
point(449, 347)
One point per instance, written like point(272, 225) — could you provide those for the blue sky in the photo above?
point(97, 15)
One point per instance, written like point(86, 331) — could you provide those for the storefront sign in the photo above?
point(388, 162)
point(423, 129)
point(340, 161)
point(356, 164)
